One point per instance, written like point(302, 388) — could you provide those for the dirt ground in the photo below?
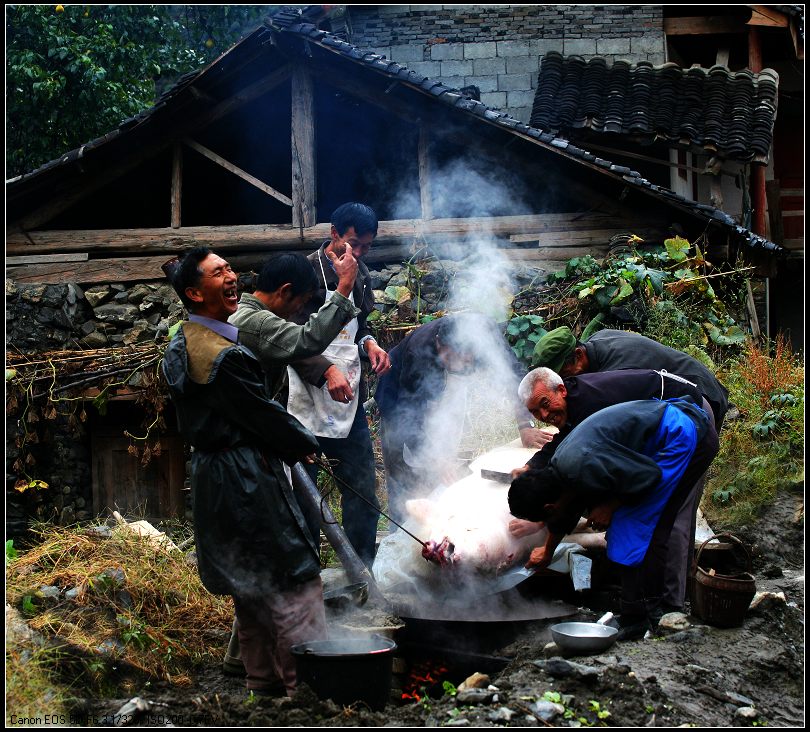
point(700, 676)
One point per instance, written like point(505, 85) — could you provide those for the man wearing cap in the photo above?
point(629, 468)
point(610, 350)
point(251, 539)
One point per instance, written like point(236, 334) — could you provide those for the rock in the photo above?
point(140, 332)
point(561, 668)
point(690, 635)
point(50, 592)
point(95, 339)
point(476, 681)
point(87, 327)
point(765, 601)
point(552, 649)
point(547, 710)
point(97, 295)
point(74, 593)
point(114, 312)
point(673, 622)
point(137, 294)
point(475, 696)
point(460, 722)
point(736, 698)
point(67, 517)
point(747, 713)
point(502, 714)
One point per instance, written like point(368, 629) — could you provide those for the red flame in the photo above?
point(422, 676)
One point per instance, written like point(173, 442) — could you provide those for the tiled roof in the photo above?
point(286, 21)
point(729, 114)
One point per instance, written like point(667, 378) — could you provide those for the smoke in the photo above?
point(479, 407)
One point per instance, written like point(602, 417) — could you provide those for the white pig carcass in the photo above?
point(466, 527)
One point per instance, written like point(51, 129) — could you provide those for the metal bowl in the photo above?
point(583, 637)
point(352, 595)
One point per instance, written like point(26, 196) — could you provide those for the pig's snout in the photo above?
point(440, 552)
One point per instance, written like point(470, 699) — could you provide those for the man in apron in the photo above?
point(325, 391)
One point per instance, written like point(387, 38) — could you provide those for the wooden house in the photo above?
point(252, 154)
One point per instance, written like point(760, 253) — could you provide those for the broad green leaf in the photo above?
point(10, 374)
point(173, 330)
point(625, 290)
point(677, 248)
point(398, 293)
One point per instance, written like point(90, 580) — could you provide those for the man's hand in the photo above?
point(520, 527)
point(540, 558)
point(345, 268)
point(380, 363)
point(339, 388)
point(519, 471)
point(534, 437)
point(600, 516)
point(310, 459)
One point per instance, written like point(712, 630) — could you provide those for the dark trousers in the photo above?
point(665, 565)
point(682, 539)
point(354, 456)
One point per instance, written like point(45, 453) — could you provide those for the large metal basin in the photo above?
point(583, 637)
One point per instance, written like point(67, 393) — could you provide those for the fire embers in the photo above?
point(425, 679)
point(440, 553)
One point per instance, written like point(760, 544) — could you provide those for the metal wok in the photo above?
point(585, 637)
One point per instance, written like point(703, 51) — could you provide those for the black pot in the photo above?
point(347, 671)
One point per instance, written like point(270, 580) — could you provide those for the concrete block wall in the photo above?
point(498, 48)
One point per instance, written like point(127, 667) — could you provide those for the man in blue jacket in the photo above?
point(629, 468)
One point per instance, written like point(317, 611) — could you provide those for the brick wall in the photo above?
point(498, 48)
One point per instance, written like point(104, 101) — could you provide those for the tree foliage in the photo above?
point(75, 72)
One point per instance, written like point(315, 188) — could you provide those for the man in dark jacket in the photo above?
point(629, 468)
point(609, 350)
point(325, 391)
point(454, 345)
point(251, 539)
point(565, 403)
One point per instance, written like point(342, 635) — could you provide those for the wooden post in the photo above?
point(758, 198)
point(424, 172)
point(304, 211)
point(177, 184)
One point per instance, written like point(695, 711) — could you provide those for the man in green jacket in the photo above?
point(285, 283)
point(251, 539)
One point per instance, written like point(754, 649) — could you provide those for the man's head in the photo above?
point(544, 394)
point(206, 284)
point(534, 494)
point(285, 284)
point(560, 351)
point(354, 224)
point(455, 341)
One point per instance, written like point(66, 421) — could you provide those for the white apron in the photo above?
point(313, 406)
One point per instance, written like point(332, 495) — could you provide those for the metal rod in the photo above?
point(356, 571)
point(328, 468)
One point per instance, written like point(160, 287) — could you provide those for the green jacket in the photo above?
point(277, 342)
point(251, 537)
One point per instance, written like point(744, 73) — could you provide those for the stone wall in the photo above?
point(498, 48)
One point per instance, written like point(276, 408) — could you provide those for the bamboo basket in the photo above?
point(720, 599)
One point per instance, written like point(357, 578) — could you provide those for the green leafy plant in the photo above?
point(449, 688)
point(28, 606)
point(522, 333)
point(596, 707)
point(11, 552)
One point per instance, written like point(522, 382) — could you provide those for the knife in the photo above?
point(497, 476)
point(510, 579)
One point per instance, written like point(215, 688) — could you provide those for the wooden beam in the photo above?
point(424, 172)
point(177, 185)
point(763, 15)
point(47, 258)
point(304, 168)
point(87, 185)
point(167, 241)
point(236, 170)
point(723, 55)
point(709, 25)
